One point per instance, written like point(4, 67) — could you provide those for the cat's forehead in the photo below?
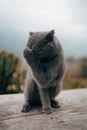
point(40, 35)
point(36, 37)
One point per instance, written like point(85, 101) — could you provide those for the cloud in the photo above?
point(64, 16)
point(68, 18)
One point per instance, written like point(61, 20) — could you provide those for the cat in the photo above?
point(46, 67)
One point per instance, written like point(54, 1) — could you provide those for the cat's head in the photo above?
point(40, 39)
point(42, 46)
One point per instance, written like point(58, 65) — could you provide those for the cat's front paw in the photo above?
point(26, 107)
point(26, 52)
point(47, 110)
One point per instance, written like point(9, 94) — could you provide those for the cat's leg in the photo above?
point(28, 92)
point(42, 77)
point(44, 95)
point(53, 92)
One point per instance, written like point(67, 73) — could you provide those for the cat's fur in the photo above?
point(46, 65)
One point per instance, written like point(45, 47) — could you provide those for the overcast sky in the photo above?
point(67, 17)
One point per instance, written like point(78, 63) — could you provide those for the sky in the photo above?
point(67, 17)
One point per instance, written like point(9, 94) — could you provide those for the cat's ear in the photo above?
point(31, 33)
point(49, 36)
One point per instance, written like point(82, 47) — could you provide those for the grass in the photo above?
point(74, 76)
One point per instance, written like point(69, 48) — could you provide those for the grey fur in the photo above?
point(46, 64)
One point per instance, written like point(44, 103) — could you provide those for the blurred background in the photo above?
point(18, 17)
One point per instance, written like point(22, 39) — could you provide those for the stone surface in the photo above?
point(71, 116)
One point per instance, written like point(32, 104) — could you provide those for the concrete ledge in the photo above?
point(71, 116)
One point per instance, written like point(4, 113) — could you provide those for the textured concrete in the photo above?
point(71, 116)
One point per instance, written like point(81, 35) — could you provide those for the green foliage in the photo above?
point(9, 75)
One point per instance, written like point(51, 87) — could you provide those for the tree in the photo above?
point(8, 65)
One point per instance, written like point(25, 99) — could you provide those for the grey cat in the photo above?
point(46, 66)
